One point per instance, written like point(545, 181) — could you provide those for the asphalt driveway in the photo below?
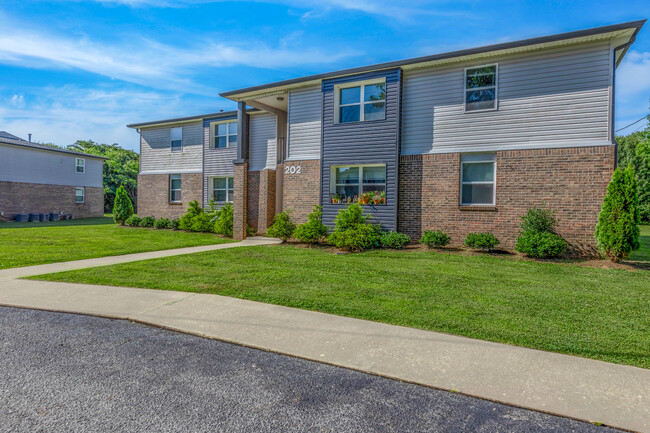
point(73, 373)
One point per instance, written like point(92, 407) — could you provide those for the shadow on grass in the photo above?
point(76, 222)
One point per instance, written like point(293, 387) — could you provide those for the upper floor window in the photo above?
point(225, 134)
point(361, 102)
point(222, 189)
point(477, 179)
point(174, 187)
point(80, 165)
point(80, 195)
point(365, 184)
point(177, 139)
point(481, 88)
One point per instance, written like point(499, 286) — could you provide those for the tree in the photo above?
point(123, 208)
point(617, 231)
point(120, 169)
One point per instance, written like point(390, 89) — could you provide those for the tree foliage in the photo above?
point(122, 208)
point(634, 151)
point(121, 168)
point(617, 231)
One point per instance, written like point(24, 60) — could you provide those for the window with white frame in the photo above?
point(80, 195)
point(477, 179)
point(353, 183)
point(225, 134)
point(222, 189)
point(175, 187)
point(361, 102)
point(177, 139)
point(481, 88)
point(80, 165)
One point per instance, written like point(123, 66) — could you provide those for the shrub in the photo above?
point(352, 230)
point(484, 241)
point(538, 219)
point(223, 220)
point(161, 223)
point(202, 223)
point(193, 209)
point(313, 231)
point(133, 221)
point(282, 226)
point(173, 224)
point(122, 207)
point(148, 221)
point(617, 231)
point(541, 245)
point(394, 240)
point(250, 231)
point(436, 238)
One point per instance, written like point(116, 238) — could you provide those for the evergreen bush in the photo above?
point(282, 227)
point(540, 245)
point(394, 240)
point(173, 224)
point(353, 232)
point(436, 238)
point(193, 210)
point(223, 221)
point(133, 221)
point(617, 231)
point(161, 223)
point(484, 241)
point(122, 207)
point(148, 221)
point(313, 231)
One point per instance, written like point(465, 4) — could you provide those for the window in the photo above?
point(225, 134)
point(361, 103)
point(80, 165)
point(481, 88)
point(177, 139)
point(79, 195)
point(477, 179)
point(175, 187)
point(222, 189)
point(349, 183)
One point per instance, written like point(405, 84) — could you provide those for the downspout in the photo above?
point(625, 47)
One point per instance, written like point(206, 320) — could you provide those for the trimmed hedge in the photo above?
point(133, 221)
point(541, 245)
point(148, 221)
point(436, 238)
point(313, 231)
point(394, 240)
point(161, 223)
point(484, 241)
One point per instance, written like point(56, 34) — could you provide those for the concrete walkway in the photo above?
point(615, 395)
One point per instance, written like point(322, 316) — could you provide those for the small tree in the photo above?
point(617, 231)
point(123, 208)
point(313, 231)
point(282, 226)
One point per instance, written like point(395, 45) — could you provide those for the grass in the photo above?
point(25, 244)
point(595, 313)
point(643, 254)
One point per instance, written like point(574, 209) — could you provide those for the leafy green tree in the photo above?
point(617, 231)
point(634, 151)
point(120, 169)
point(122, 208)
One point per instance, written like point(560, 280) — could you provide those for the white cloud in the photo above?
point(633, 74)
point(17, 101)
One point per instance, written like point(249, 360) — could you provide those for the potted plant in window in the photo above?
point(383, 197)
point(376, 197)
point(364, 198)
point(336, 198)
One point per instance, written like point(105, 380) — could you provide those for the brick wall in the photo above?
point(572, 181)
point(153, 194)
point(266, 202)
point(301, 191)
point(253, 199)
point(240, 201)
point(19, 197)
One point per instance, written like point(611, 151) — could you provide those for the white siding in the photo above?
point(217, 162)
point(156, 155)
point(549, 99)
point(304, 119)
point(22, 164)
point(262, 129)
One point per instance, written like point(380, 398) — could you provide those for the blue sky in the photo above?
point(72, 69)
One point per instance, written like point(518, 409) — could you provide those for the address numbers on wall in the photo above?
point(292, 169)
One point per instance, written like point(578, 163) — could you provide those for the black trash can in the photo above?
point(34, 217)
point(54, 216)
point(44, 217)
point(22, 217)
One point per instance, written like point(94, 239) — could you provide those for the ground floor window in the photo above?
point(222, 189)
point(174, 187)
point(365, 184)
point(477, 179)
point(80, 195)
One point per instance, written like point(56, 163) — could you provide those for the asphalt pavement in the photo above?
point(73, 373)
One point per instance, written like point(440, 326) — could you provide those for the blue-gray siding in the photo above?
point(262, 130)
point(216, 162)
point(304, 123)
point(372, 142)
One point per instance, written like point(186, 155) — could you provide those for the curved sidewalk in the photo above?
point(585, 389)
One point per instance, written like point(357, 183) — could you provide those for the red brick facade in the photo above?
point(240, 201)
point(266, 202)
point(253, 199)
point(572, 181)
point(301, 191)
point(19, 197)
point(153, 194)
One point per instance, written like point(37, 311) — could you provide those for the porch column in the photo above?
point(241, 174)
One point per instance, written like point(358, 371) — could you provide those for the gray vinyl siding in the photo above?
point(553, 98)
point(216, 162)
point(360, 143)
point(156, 155)
point(28, 165)
point(304, 123)
point(262, 129)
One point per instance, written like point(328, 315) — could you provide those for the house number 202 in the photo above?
point(293, 169)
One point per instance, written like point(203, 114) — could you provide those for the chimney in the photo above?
point(29, 137)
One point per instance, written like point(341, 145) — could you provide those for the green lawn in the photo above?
point(643, 254)
point(595, 313)
point(25, 244)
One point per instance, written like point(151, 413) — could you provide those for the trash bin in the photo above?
point(44, 217)
point(34, 217)
point(54, 216)
point(22, 217)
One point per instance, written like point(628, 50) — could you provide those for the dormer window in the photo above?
point(359, 102)
point(481, 88)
